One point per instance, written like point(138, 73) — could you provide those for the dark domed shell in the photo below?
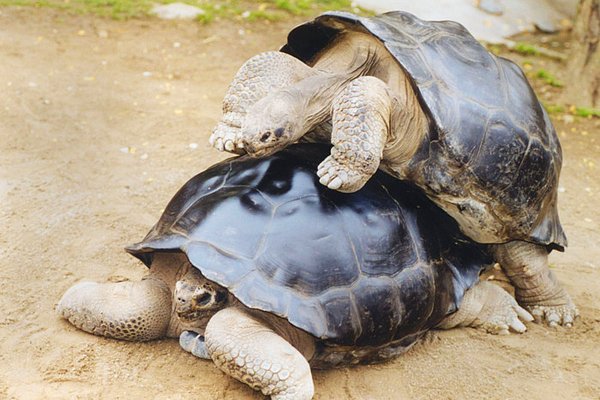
point(494, 142)
point(355, 269)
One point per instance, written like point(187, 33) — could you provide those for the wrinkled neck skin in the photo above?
point(163, 266)
point(351, 55)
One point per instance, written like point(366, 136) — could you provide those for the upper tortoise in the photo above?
point(425, 102)
point(279, 274)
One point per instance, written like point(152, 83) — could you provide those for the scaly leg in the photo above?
point(361, 124)
point(136, 311)
point(259, 76)
point(250, 351)
point(536, 287)
point(489, 307)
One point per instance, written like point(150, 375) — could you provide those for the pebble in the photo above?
point(193, 146)
point(177, 11)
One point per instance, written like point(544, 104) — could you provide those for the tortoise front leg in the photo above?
point(536, 286)
point(136, 311)
point(361, 124)
point(250, 351)
point(370, 123)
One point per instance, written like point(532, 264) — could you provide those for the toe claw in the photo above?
point(518, 326)
point(325, 179)
point(523, 314)
point(335, 184)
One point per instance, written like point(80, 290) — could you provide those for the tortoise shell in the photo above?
point(360, 269)
point(492, 159)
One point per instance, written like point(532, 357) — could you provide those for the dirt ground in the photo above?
point(102, 121)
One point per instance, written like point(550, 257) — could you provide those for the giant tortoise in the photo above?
point(258, 267)
point(427, 103)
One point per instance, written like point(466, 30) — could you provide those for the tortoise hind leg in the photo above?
point(250, 351)
point(136, 311)
point(536, 286)
point(489, 307)
point(259, 76)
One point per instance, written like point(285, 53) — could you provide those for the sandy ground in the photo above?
point(102, 121)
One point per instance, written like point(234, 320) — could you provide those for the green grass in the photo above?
point(584, 112)
point(270, 10)
point(554, 108)
point(548, 78)
point(525, 49)
point(587, 112)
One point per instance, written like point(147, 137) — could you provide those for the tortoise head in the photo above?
point(273, 123)
point(197, 299)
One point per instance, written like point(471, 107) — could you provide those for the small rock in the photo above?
point(546, 26)
point(193, 146)
point(177, 11)
point(493, 7)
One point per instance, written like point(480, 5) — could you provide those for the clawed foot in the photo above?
point(193, 342)
point(489, 307)
point(563, 315)
point(227, 138)
point(506, 315)
point(340, 177)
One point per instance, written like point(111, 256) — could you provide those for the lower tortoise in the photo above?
point(261, 269)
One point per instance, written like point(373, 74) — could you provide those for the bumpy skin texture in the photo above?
point(136, 311)
point(245, 348)
point(357, 142)
point(258, 76)
point(536, 286)
point(489, 307)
